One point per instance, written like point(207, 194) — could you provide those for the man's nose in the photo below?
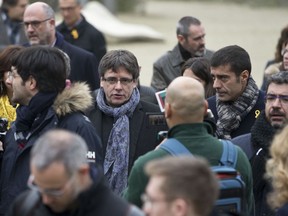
point(217, 83)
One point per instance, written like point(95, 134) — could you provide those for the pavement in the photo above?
point(255, 29)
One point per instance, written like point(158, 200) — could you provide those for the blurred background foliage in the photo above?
point(116, 6)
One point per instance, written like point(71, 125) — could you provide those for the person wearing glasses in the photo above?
point(77, 31)
point(11, 17)
point(7, 108)
point(61, 185)
point(128, 127)
point(38, 79)
point(256, 144)
point(39, 22)
point(191, 43)
point(179, 186)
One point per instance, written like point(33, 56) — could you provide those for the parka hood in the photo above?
point(76, 97)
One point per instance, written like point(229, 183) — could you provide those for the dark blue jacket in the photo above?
point(84, 65)
point(248, 121)
point(15, 166)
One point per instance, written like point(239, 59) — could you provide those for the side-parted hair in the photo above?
point(189, 178)
point(234, 56)
point(277, 169)
point(278, 78)
point(47, 65)
point(59, 146)
point(184, 23)
point(116, 59)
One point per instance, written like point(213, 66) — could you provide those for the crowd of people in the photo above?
point(79, 134)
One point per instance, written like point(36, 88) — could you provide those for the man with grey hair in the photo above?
point(78, 31)
point(63, 182)
point(191, 43)
point(39, 21)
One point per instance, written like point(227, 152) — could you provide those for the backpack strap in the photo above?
point(230, 154)
point(174, 147)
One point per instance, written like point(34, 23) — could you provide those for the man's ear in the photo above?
point(32, 83)
point(180, 207)
point(180, 38)
point(244, 76)
point(168, 110)
point(205, 107)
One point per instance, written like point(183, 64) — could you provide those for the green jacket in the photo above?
point(197, 139)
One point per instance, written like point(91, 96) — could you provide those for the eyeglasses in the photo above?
point(68, 9)
point(147, 200)
point(12, 75)
point(49, 192)
point(35, 24)
point(114, 80)
point(283, 51)
point(271, 98)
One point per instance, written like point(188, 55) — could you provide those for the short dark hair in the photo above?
point(47, 65)
point(115, 59)
point(278, 78)
point(184, 23)
point(8, 3)
point(235, 56)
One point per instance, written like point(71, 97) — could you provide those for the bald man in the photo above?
point(39, 23)
point(185, 108)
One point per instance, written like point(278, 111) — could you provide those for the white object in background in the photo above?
point(99, 16)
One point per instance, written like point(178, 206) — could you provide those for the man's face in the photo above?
point(39, 28)
point(228, 86)
point(57, 189)
point(276, 109)
point(155, 201)
point(195, 41)
point(118, 86)
point(21, 93)
point(16, 12)
point(70, 11)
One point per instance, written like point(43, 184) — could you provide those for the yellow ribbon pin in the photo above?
point(74, 33)
point(257, 113)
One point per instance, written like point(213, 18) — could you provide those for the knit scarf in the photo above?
point(26, 115)
point(117, 150)
point(231, 114)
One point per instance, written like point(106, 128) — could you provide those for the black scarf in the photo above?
point(26, 115)
point(262, 133)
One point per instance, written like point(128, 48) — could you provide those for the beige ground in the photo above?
point(255, 29)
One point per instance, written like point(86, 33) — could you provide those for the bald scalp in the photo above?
point(43, 7)
point(186, 96)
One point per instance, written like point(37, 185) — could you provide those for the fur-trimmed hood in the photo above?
point(75, 98)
